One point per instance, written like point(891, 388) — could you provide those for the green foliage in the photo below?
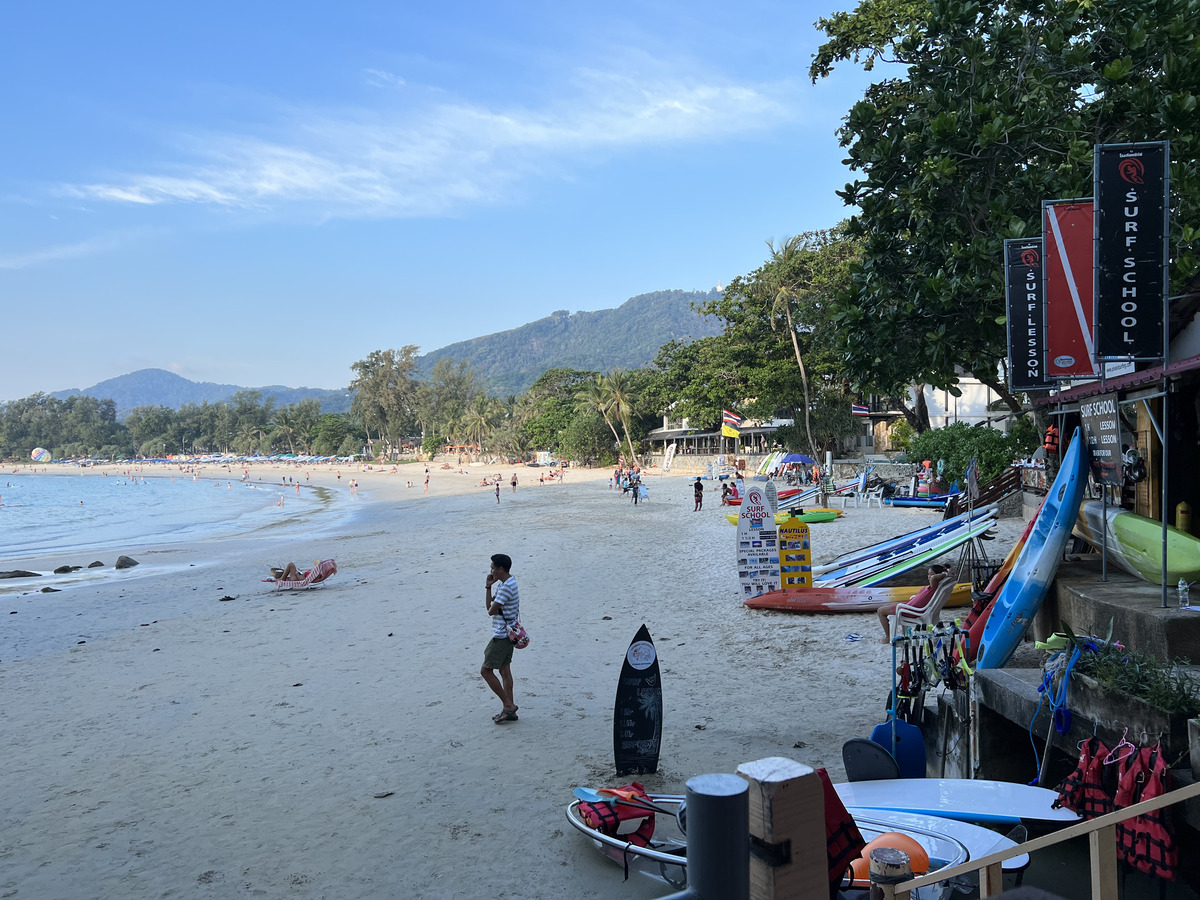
point(956, 444)
point(998, 107)
point(902, 435)
point(1164, 684)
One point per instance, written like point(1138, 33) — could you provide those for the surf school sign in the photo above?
point(1132, 211)
point(757, 545)
point(1102, 430)
point(1026, 321)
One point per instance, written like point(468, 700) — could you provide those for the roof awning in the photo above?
point(1122, 382)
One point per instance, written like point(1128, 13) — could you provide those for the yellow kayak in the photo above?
point(811, 516)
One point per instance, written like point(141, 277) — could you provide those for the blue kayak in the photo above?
point(1027, 584)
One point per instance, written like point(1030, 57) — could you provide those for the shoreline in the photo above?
point(194, 744)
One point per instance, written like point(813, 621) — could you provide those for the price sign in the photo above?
point(1102, 430)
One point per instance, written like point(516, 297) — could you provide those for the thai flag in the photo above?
point(732, 418)
point(860, 410)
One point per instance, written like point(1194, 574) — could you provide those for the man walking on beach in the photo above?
point(504, 608)
point(698, 489)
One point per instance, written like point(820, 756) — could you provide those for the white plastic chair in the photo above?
point(875, 495)
point(906, 615)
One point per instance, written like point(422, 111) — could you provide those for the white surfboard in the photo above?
point(977, 840)
point(963, 799)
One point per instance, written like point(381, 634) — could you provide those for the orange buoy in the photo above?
point(918, 859)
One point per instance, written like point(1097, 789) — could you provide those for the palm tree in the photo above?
point(593, 397)
point(619, 394)
point(784, 291)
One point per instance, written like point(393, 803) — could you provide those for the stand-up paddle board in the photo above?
point(1023, 592)
point(965, 799)
point(637, 716)
point(1135, 543)
point(977, 840)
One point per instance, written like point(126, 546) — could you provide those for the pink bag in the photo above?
point(516, 634)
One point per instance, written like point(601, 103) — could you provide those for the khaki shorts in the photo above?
point(498, 653)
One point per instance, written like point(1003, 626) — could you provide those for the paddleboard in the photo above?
point(929, 532)
point(964, 799)
point(637, 715)
point(871, 575)
point(846, 599)
point(918, 502)
point(1135, 543)
point(1027, 584)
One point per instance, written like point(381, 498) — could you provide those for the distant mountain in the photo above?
point(627, 337)
point(508, 362)
point(158, 387)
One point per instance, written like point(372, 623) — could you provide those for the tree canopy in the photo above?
point(988, 109)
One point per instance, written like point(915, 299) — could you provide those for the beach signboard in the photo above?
point(757, 544)
point(795, 555)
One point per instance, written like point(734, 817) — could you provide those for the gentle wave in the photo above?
point(43, 514)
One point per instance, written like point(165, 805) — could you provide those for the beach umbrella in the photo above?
point(798, 458)
point(40, 454)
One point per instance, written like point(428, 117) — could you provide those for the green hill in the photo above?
point(627, 337)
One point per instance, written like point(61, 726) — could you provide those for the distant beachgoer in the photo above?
point(936, 575)
point(427, 481)
point(698, 491)
point(514, 482)
point(497, 490)
point(724, 494)
point(504, 608)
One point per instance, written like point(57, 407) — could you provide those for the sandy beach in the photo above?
point(163, 742)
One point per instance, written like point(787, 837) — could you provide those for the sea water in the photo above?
point(43, 514)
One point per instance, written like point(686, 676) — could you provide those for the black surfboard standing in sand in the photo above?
point(637, 719)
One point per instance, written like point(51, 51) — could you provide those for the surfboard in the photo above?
point(1026, 586)
point(845, 599)
point(1135, 543)
point(964, 799)
point(637, 714)
point(894, 546)
point(875, 573)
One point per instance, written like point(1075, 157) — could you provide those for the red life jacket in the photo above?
point(607, 817)
point(1084, 790)
point(843, 841)
point(1146, 842)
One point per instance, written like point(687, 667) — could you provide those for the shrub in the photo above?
point(956, 444)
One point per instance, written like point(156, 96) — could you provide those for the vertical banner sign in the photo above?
point(1102, 430)
point(1026, 325)
point(757, 544)
point(1132, 211)
point(1067, 226)
point(795, 555)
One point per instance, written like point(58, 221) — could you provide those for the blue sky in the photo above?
point(263, 193)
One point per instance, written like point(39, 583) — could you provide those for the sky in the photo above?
point(264, 193)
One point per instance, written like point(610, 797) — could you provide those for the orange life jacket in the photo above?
point(1050, 444)
point(607, 817)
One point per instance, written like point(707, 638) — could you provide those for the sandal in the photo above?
point(505, 715)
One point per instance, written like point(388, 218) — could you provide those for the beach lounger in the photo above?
point(314, 577)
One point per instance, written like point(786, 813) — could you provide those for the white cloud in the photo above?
point(381, 79)
point(433, 159)
point(62, 251)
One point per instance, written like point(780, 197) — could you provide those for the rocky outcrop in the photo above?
point(20, 573)
point(125, 562)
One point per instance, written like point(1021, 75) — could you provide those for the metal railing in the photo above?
point(1102, 840)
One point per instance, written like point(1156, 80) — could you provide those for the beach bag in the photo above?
point(518, 635)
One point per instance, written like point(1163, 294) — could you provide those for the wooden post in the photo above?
point(787, 830)
point(991, 881)
point(889, 867)
point(1103, 858)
